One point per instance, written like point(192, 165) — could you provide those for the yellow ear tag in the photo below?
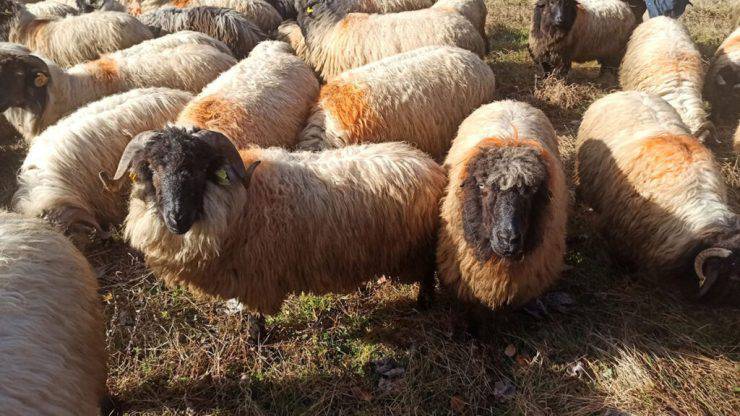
point(309, 10)
point(40, 80)
point(223, 178)
point(132, 176)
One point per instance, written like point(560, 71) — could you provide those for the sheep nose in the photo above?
point(509, 237)
point(176, 221)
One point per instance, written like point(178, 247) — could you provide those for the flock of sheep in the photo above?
point(251, 156)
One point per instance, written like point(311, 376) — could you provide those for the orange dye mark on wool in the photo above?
point(667, 154)
point(218, 114)
point(180, 3)
point(105, 68)
point(348, 104)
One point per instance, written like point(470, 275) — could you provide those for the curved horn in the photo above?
point(702, 257)
point(133, 148)
point(223, 146)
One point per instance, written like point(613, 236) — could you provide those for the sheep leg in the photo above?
point(426, 291)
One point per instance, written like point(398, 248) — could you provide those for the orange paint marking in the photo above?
point(347, 103)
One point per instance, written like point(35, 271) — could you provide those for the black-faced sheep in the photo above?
point(259, 12)
point(661, 59)
point(723, 78)
point(263, 100)
point(59, 177)
point(397, 99)
point(52, 340)
point(226, 25)
point(39, 93)
point(502, 234)
point(566, 31)
point(267, 223)
point(659, 196)
point(73, 39)
point(337, 41)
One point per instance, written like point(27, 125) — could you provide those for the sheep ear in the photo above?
point(234, 166)
point(134, 147)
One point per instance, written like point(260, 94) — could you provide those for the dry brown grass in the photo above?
point(636, 350)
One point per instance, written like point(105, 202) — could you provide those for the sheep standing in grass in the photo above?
point(59, 177)
point(267, 223)
point(338, 41)
point(259, 12)
point(52, 340)
point(263, 100)
point(723, 77)
point(566, 31)
point(226, 25)
point(73, 39)
point(502, 236)
point(38, 93)
point(658, 195)
point(397, 98)
point(661, 59)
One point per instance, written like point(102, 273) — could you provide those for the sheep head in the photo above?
point(504, 194)
point(313, 12)
point(175, 165)
point(24, 78)
point(718, 269)
point(554, 16)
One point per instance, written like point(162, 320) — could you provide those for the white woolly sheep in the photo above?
point(287, 8)
point(338, 41)
point(661, 59)
point(226, 25)
point(502, 234)
point(59, 177)
point(566, 31)
point(39, 93)
point(53, 335)
point(300, 222)
point(50, 9)
point(263, 100)
point(259, 12)
point(397, 99)
point(73, 39)
point(723, 78)
point(658, 195)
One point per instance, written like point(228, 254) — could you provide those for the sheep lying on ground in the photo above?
point(226, 25)
point(502, 236)
point(338, 41)
point(661, 59)
point(298, 222)
point(59, 178)
point(53, 335)
point(397, 99)
point(566, 31)
point(73, 39)
point(259, 12)
point(263, 100)
point(723, 77)
point(659, 195)
point(39, 93)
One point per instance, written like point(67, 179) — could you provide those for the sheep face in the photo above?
point(175, 166)
point(718, 269)
point(552, 16)
point(504, 194)
point(24, 79)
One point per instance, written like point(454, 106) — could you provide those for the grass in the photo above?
point(626, 347)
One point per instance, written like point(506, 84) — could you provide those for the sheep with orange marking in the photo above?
point(226, 25)
point(504, 213)
point(397, 99)
point(52, 341)
point(38, 92)
point(337, 41)
point(263, 100)
point(71, 40)
point(59, 179)
point(662, 59)
point(659, 196)
point(259, 12)
point(723, 77)
point(262, 224)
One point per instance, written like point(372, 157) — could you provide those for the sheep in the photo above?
point(53, 334)
point(300, 222)
point(338, 41)
point(658, 195)
point(290, 33)
point(661, 59)
point(723, 78)
point(397, 99)
point(566, 31)
point(226, 25)
point(39, 93)
point(59, 179)
point(259, 12)
point(263, 100)
point(73, 39)
point(504, 211)
point(287, 8)
point(50, 9)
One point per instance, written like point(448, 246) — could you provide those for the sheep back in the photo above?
point(500, 282)
point(263, 100)
point(259, 12)
point(290, 33)
point(396, 99)
point(51, 9)
point(53, 335)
